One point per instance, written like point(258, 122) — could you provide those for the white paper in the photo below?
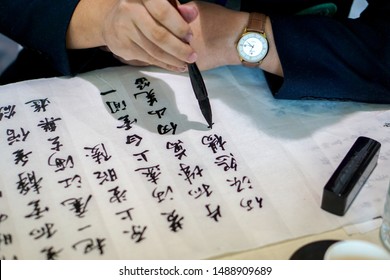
point(108, 168)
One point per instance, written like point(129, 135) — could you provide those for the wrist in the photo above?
point(85, 29)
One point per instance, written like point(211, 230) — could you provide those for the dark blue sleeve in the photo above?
point(328, 58)
point(40, 26)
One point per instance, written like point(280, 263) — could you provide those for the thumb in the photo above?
point(188, 12)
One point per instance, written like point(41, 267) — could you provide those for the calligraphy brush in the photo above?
point(198, 86)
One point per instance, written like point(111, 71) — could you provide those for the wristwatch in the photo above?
point(252, 46)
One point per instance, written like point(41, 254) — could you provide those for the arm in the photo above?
point(311, 57)
point(70, 33)
point(149, 31)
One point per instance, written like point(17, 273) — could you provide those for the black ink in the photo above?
point(214, 142)
point(227, 161)
point(164, 129)
point(47, 230)
point(142, 83)
point(60, 163)
point(37, 212)
point(21, 157)
point(175, 221)
point(77, 205)
point(115, 106)
point(214, 214)
point(117, 195)
point(98, 153)
point(152, 173)
point(28, 181)
point(16, 137)
point(177, 149)
point(134, 139)
point(160, 113)
point(39, 104)
point(89, 245)
point(190, 174)
point(141, 156)
point(7, 112)
point(127, 123)
point(49, 125)
point(76, 180)
point(106, 176)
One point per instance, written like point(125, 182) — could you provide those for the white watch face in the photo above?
point(252, 47)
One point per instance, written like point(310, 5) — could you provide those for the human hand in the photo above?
point(215, 33)
point(136, 31)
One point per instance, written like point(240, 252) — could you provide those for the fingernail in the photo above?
point(182, 69)
point(188, 38)
point(192, 57)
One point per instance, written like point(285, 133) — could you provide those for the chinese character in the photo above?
point(214, 214)
point(227, 161)
point(127, 123)
point(76, 179)
point(214, 142)
point(38, 211)
point(134, 139)
point(50, 253)
point(27, 182)
point(177, 149)
point(77, 205)
point(127, 213)
point(137, 233)
point(150, 96)
point(60, 163)
point(142, 83)
point(7, 112)
point(14, 137)
point(49, 125)
point(162, 195)
point(116, 106)
point(159, 113)
point(240, 184)
point(117, 196)
point(89, 245)
point(106, 176)
point(56, 143)
point(190, 175)
point(142, 156)
point(164, 129)
point(46, 230)
point(203, 190)
point(21, 157)
point(151, 173)
point(176, 222)
point(98, 153)
point(39, 104)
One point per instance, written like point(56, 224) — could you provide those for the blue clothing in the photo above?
point(324, 56)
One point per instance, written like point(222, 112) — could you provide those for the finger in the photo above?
point(160, 43)
point(163, 52)
point(189, 13)
point(167, 16)
point(137, 55)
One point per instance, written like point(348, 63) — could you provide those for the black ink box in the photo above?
point(349, 177)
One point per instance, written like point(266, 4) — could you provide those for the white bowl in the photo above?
point(356, 250)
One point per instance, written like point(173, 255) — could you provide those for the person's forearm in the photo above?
point(85, 29)
point(271, 62)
